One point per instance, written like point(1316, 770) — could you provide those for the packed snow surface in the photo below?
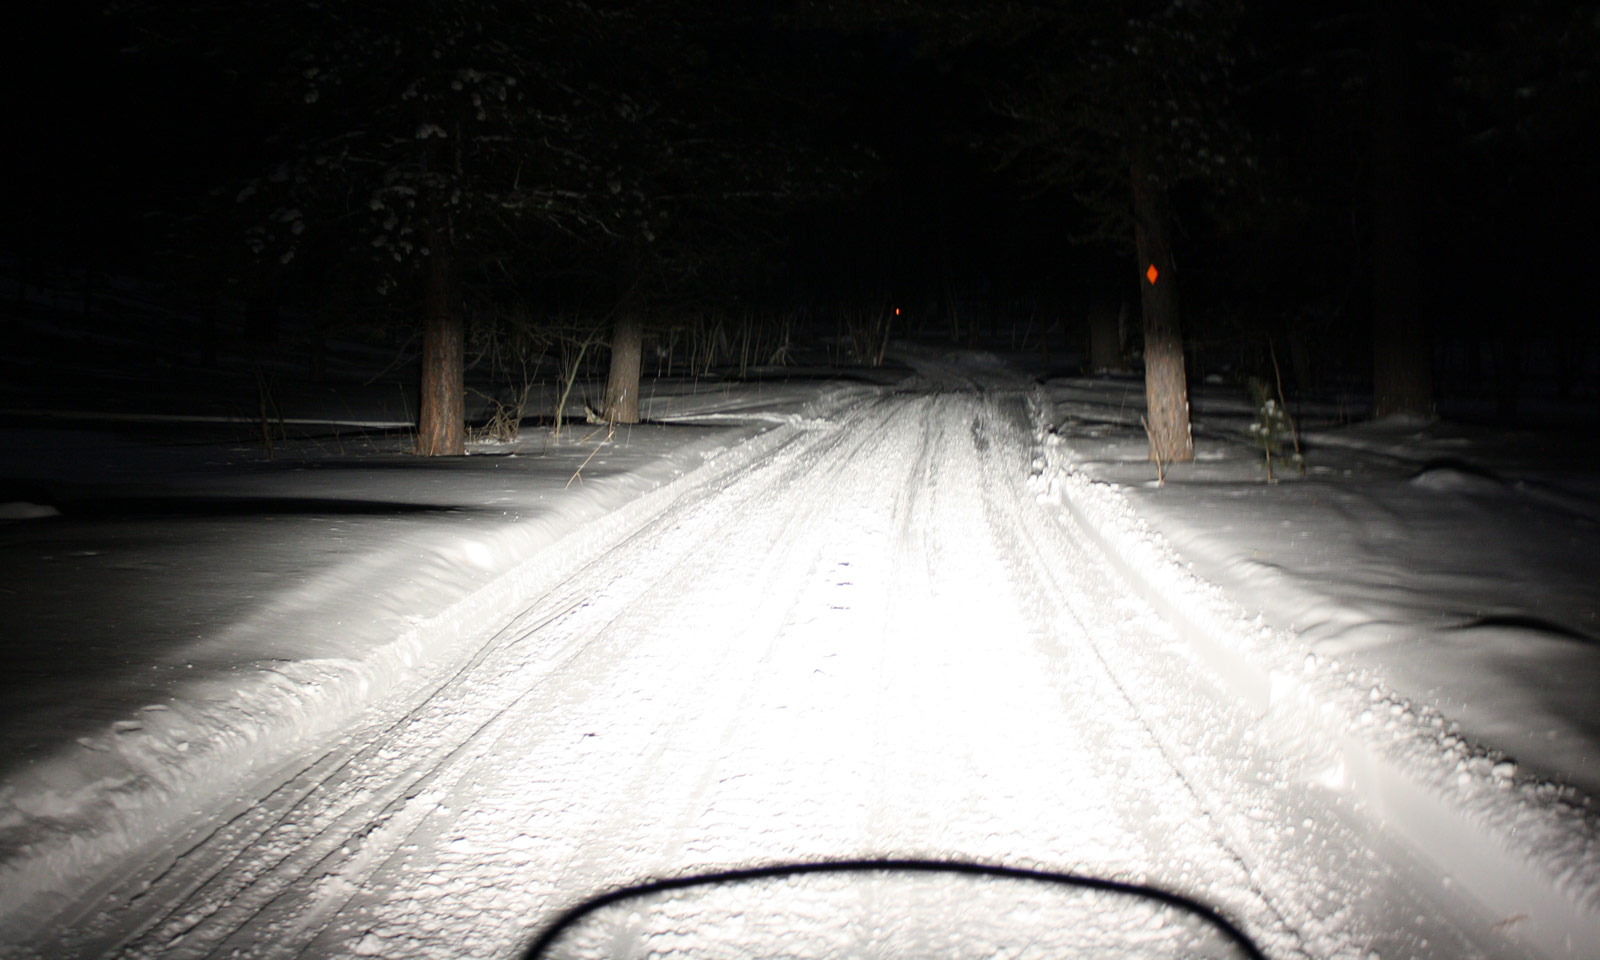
point(348, 702)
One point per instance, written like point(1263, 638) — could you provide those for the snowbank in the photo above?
point(1397, 750)
point(185, 620)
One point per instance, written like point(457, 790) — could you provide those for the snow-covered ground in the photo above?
point(349, 702)
point(1459, 564)
point(181, 613)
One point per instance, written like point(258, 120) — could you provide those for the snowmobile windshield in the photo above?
point(890, 909)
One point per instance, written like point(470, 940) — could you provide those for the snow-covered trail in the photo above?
point(874, 641)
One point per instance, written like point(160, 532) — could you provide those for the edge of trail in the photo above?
point(107, 801)
point(1526, 853)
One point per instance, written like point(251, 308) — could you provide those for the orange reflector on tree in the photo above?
point(1152, 273)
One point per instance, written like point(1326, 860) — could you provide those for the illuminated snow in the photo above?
point(804, 622)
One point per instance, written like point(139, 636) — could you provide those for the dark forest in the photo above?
point(1389, 200)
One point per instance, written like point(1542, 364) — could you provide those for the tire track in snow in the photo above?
point(649, 770)
point(927, 741)
point(1347, 890)
point(276, 845)
point(859, 645)
point(230, 869)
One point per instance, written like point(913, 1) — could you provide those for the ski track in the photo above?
point(874, 641)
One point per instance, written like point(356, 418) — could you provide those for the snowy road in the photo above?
point(874, 640)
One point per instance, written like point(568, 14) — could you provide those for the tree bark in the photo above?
point(263, 311)
point(442, 414)
point(1105, 340)
point(318, 367)
point(1166, 384)
point(1402, 354)
point(1507, 374)
point(208, 333)
point(1300, 365)
point(627, 353)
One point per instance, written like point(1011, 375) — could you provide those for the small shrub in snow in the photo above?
point(505, 418)
point(1272, 427)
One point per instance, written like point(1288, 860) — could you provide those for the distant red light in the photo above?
point(1152, 273)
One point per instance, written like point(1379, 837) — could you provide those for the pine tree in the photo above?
point(1272, 427)
point(418, 142)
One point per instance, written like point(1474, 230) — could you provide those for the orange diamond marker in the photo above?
point(1152, 273)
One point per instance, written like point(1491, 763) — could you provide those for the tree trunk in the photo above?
point(208, 333)
point(1569, 367)
point(1166, 385)
point(262, 311)
point(627, 353)
point(1402, 356)
point(318, 368)
point(442, 415)
point(1105, 339)
point(1300, 365)
point(88, 289)
point(1507, 375)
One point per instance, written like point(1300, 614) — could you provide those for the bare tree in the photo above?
point(627, 354)
point(1166, 383)
point(1402, 349)
point(1124, 104)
